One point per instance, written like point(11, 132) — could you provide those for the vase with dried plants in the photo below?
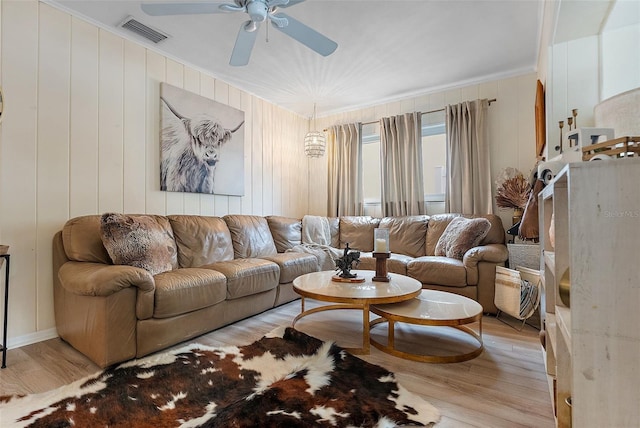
point(512, 191)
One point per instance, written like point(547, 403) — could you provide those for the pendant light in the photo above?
point(314, 142)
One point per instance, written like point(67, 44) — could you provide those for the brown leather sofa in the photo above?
point(230, 268)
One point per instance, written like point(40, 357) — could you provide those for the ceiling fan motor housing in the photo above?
point(257, 10)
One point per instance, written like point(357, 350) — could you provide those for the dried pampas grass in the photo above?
point(512, 189)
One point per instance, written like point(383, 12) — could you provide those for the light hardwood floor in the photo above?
point(505, 386)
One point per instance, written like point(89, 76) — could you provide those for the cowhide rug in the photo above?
point(285, 379)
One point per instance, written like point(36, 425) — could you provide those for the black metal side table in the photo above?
point(3, 345)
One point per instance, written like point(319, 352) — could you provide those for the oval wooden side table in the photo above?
point(431, 308)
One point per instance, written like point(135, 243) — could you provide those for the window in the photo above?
point(371, 173)
point(433, 163)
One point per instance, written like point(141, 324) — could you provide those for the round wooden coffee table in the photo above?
point(360, 295)
point(431, 308)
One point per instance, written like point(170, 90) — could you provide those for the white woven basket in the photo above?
point(525, 255)
point(509, 288)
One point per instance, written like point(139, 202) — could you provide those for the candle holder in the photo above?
point(559, 147)
point(381, 267)
point(381, 253)
point(380, 240)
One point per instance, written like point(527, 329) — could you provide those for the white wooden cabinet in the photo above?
point(593, 341)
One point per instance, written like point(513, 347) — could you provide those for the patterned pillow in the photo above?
point(461, 235)
point(142, 241)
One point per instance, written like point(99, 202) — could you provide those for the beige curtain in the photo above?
point(468, 167)
point(401, 165)
point(345, 170)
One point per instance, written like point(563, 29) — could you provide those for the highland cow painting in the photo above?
point(201, 144)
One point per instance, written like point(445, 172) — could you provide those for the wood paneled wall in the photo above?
point(573, 82)
point(80, 135)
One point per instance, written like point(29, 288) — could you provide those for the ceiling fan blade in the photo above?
point(307, 35)
point(160, 9)
point(244, 44)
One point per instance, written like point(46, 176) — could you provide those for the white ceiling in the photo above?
point(387, 50)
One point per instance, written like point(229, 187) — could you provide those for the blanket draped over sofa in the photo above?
point(217, 270)
point(316, 240)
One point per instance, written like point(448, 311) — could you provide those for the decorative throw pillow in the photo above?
point(139, 241)
point(461, 235)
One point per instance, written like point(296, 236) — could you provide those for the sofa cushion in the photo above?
point(250, 235)
point(357, 231)
point(247, 276)
point(407, 235)
point(496, 232)
point(286, 232)
point(201, 240)
point(438, 270)
point(184, 290)
point(292, 265)
point(82, 240)
point(461, 235)
point(437, 224)
point(396, 263)
point(144, 241)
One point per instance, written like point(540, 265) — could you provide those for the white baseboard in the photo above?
point(28, 339)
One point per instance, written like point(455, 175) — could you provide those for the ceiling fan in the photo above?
point(259, 11)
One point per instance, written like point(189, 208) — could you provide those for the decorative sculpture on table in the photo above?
point(345, 263)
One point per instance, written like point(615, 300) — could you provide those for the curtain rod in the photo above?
point(492, 100)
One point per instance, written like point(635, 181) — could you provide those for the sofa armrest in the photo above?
point(495, 253)
point(100, 280)
point(96, 279)
point(491, 253)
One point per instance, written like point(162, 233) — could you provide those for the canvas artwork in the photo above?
point(202, 144)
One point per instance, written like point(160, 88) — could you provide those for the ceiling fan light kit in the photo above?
point(259, 11)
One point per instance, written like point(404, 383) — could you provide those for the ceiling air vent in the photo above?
point(131, 24)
